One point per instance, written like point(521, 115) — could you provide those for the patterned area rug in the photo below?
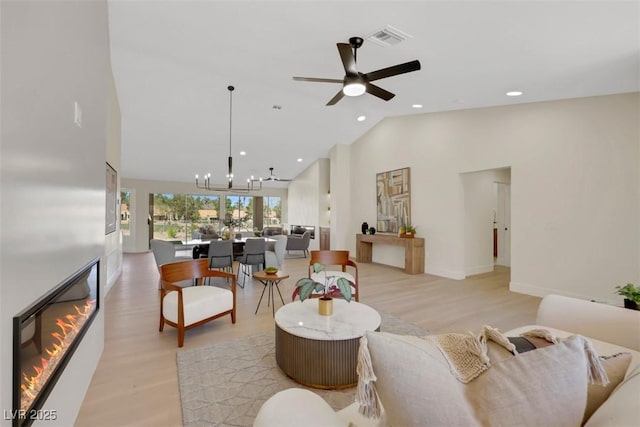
point(226, 383)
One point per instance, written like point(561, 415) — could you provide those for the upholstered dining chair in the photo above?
point(221, 255)
point(186, 308)
point(165, 252)
point(254, 249)
point(335, 259)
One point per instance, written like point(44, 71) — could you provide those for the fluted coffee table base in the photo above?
point(320, 363)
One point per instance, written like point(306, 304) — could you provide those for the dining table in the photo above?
point(200, 248)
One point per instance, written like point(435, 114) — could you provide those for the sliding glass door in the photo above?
point(184, 216)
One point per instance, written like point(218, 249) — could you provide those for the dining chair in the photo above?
point(254, 249)
point(186, 308)
point(165, 252)
point(221, 255)
point(335, 259)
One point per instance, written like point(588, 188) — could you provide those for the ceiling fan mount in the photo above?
point(272, 177)
point(356, 42)
point(355, 83)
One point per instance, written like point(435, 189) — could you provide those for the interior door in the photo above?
point(503, 224)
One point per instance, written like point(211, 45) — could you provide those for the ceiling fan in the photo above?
point(273, 177)
point(356, 83)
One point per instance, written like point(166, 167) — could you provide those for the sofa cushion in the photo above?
point(599, 396)
point(621, 408)
point(543, 387)
point(614, 365)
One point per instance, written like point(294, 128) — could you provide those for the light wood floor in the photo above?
point(136, 382)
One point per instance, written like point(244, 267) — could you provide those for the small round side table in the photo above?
point(269, 281)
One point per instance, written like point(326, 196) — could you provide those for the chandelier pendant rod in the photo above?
point(231, 88)
point(207, 177)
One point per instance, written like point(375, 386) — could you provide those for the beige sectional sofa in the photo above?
point(408, 392)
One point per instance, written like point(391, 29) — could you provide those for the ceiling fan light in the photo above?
point(354, 89)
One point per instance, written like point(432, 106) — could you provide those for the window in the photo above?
point(184, 216)
point(125, 212)
point(271, 211)
point(239, 213)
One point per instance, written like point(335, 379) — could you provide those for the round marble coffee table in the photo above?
point(322, 351)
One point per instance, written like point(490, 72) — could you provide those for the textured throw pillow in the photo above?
point(543, 387)
point(615, 366)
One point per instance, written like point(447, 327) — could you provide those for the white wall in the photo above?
point(324, 195)
point(574, 187)
point(340, 180)
point(113, 241)
point(308, 200)
point(52, 175)
point(140, 204)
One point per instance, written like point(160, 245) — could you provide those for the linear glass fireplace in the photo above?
point(45, 336)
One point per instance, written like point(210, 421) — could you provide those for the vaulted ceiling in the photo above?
point(173, 60)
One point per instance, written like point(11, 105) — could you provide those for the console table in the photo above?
point(413, 249)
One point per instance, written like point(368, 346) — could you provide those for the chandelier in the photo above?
point(252, 184)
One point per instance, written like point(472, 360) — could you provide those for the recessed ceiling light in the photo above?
point(242, 153)
point(416, 106)
point(361, 118)
point(299, 160)
point(514, 93)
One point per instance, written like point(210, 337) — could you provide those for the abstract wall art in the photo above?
point(393, 200)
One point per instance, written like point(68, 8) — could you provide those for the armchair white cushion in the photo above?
point(199, 302)
point(186, 308)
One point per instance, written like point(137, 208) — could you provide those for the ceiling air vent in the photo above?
point(388, 36)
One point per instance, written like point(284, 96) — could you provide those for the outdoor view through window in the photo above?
point(125, 212)
point(186, 216)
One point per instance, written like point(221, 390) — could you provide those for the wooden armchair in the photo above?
point(186, 308)
point(335, 258)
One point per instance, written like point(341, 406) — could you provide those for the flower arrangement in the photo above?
point(331, 286)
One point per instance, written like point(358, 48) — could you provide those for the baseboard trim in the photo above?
point(539, 291)
point(444, 272)
point(479, 269)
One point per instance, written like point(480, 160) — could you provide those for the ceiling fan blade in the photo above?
point(407, 67)
point(273, 178)
point(336, 98)
point(318, 80)
point(348, 61)
point(379, 92)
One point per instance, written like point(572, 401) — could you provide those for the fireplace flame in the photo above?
point(69, 325)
